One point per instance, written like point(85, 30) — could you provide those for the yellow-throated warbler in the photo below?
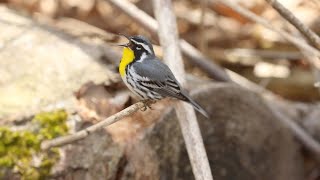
point(146, 76)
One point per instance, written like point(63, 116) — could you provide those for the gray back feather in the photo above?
point(160, 74)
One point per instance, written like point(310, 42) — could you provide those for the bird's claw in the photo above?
point(144, 108)
point(147, 104)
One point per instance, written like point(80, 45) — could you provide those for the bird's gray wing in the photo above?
point(157, 76)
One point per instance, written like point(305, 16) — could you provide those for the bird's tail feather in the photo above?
point(197, 107)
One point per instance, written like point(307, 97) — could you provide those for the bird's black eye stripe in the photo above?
point(137, 45)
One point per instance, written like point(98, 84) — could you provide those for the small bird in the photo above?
point(146, 76)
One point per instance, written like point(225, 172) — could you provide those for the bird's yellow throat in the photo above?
point(127, 57)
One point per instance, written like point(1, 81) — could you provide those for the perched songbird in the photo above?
point(146, 76)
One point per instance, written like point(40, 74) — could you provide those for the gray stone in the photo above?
point(96, 157)
point(312, 123)
point(41, 66)
point(243, 139)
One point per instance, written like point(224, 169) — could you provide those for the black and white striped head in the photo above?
point(140, 45)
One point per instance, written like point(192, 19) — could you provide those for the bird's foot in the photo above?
point(147, 104)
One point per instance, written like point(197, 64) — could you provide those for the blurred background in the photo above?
point(58, 74)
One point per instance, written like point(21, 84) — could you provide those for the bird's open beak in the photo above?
point(124, 45)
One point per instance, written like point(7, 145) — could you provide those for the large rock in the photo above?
point(243, 139)
point(41, 66)
point(96, 157)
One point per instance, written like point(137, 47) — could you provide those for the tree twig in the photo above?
point(60, 141)
point(168, 35)
point(308, 51)
point(214, 71)
point(240, 53)
point(300, 134)
point(312, 37)
point(304, 30)
point(203, 44)
point(253, 17)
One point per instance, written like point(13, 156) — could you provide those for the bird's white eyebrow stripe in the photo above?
point(146, 47)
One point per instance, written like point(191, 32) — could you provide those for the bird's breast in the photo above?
point(127, 58)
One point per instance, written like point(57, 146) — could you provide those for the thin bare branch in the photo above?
point(312, 37)
point(308, 51)
point(203, 44)
point(135, 13)
point(60, 141)
point(253, 17)
point(304, 30)
point(240, 53)
point(168, 35)
point(214, 71)
point(300, 134)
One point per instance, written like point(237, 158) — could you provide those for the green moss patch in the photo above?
point(20, 151)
